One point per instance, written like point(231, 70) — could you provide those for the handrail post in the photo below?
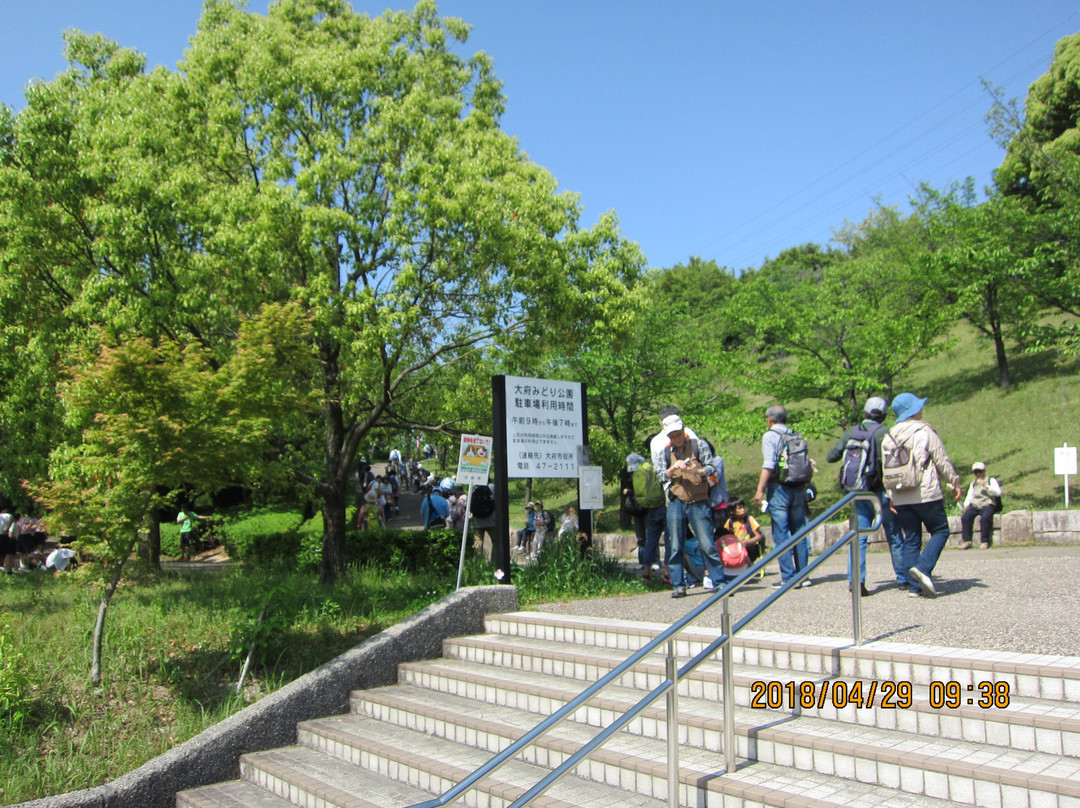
point(729, 690)
point(855, 554)
point(672, 726)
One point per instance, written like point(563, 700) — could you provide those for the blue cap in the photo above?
point(906, 405)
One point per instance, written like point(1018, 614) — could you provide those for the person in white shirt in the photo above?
point(982, 501)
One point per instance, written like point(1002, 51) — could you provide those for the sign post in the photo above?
point(474, 465)
point(1065, 464)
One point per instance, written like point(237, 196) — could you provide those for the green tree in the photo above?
point(367, 157)
point(155, 418)
point(1043, 144)
point(979, 256)
point(841, 325)
point(352, 164)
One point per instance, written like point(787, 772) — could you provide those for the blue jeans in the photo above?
point(865, 513)
point(649, 553)
point(698, 516)
point(787, 507)
point(912, 518)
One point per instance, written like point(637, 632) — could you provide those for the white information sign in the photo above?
point(474, 460)
point(544, 427)
point(591, 488)
point(1065, 459)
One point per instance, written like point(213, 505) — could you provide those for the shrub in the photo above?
point(264, 537)
point(13, 685)
point(434, 551)
point(562, 568)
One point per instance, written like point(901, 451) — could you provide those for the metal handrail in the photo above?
point(674, 673)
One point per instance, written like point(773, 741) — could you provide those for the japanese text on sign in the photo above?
point(544, 427)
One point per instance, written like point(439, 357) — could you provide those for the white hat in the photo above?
point(875, 404)
point(672, 423)
point(978, 466)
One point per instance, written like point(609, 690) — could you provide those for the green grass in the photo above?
point(1014, 432)
point(174, 647)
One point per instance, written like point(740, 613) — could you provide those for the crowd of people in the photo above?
point(678, 497)
point(25, 547)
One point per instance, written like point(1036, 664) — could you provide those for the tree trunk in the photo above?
point(99, 626)
point(150, 550)
point(332, 489)
point(999, 337)
point(1002, 359)
point(333, 546)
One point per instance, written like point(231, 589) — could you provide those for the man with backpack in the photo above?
point(859, 449)
point(913, 465)
point(645, 502)
point(785, 471)
point(684, 470)
point(482, 518)
point(434, 508)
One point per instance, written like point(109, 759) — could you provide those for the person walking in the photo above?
point(786, 503)
point(921, 504)
point(860, 450)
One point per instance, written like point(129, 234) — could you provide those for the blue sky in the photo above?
point(725, 130)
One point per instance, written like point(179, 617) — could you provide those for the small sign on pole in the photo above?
point(474, 466)
point(591, 487)
point(1065, 464)
point(474, 460)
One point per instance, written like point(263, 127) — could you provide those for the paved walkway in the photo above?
point(1023, 599)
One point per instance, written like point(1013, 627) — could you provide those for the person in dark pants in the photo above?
point(871, 428)
point(924, 504)
point(787, 504)
point(982, 502)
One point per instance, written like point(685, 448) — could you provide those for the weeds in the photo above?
point(175, 646)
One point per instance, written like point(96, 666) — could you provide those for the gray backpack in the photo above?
point(899, 471)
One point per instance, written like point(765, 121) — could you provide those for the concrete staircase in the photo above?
point(403, 744)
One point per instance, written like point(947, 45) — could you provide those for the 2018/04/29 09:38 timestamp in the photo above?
point(888, 695)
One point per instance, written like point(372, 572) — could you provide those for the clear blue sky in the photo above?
point(726, 130)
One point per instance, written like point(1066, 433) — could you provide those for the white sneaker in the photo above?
point(707, 583)
point(806, 582)
point(923, 579)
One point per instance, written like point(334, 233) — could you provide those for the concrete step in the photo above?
point(938, 767)
point(635, 763)
point(1051, 677)
point(285, 778)
point(1032, 724)
point(435, 764)
point(401, 745)
point(233, 794)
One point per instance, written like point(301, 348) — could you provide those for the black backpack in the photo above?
point(860, 467)
point(483, 503)
point(793, 460)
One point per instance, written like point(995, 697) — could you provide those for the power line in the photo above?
point(790, 201)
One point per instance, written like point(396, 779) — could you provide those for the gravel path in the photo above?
point(1023, 599)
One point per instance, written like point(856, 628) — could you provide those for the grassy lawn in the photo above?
point(175, 646)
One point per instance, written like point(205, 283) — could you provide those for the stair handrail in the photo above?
point(674, 673)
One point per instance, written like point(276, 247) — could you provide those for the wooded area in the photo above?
point(313, 235)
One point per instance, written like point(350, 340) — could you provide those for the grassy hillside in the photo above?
point(1014, 432)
